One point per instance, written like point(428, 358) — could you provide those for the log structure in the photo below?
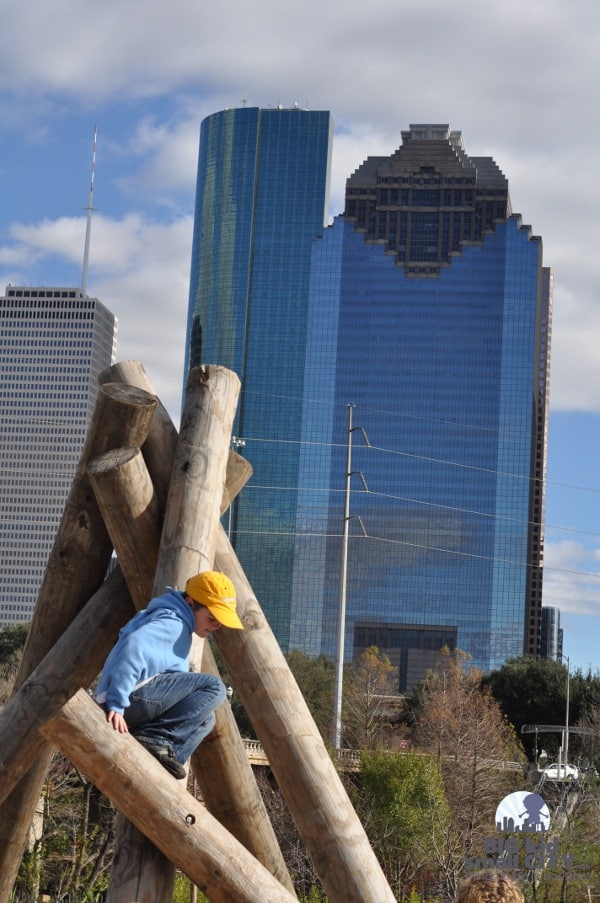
point(76, 568)
point(155, 496)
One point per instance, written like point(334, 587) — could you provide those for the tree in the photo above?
point(73, 852)
point(401, 801)
point(12, 640)
point(534, 691)
point(315, 678)
point(368, 688)
point(460, 723)
point(306, 882)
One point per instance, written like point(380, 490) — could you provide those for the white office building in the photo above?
point(54, 342)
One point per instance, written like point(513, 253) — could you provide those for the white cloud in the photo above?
point(62, 237)
point(148, 293)
point(572, 578)
point(166, 152)
point(519, 81)
point(140, 272)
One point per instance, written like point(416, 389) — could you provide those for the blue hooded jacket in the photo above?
point(156, 640)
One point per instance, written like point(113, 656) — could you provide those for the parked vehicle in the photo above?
point(563, 772)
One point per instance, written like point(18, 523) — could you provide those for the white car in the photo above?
point(564, 772)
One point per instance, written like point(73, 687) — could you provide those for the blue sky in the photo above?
point(521, 81)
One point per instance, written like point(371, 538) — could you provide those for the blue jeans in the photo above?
point(175, 709)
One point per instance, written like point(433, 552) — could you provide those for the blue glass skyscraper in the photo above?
point(426, 307)
point(261, 197)
point(429, 312)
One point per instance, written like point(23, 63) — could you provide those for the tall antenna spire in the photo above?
point(89, 208)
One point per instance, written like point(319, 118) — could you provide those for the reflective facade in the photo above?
point(54, 343)
point(261, 197)
point(426, 307)
point(429, 312)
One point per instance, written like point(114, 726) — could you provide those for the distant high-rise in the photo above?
point(54, 343)
point(552, 634)
point(261, 197)
point(427, 308)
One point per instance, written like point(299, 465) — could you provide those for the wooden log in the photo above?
point(161, 807)
point(159, 449)
point(189, 534)
point(333, 835)
point(78, 655)
point(81, 552)
point(76, 568)
point(188, 537)
point(229, 789)
point(131, 513)
point(73, 662)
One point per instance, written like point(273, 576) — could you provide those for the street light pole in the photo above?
point(566, 739)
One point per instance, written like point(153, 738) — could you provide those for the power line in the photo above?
point(413, 545)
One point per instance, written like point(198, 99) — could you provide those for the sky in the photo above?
point(521, 81)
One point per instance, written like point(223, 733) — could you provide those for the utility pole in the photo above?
point(339, 675)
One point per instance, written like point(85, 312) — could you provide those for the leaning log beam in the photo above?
point(73, 662)
point(332, 833)
point(76, 568)
point(161, 807)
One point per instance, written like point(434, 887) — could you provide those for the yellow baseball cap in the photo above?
point(216, 592)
